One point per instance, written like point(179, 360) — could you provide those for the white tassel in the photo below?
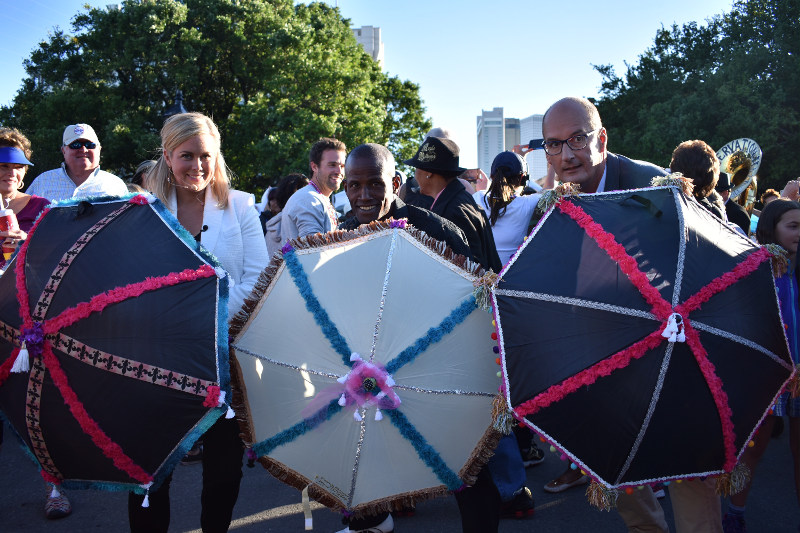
point(378, 414)
point(357, 415)
point(21, 363)
point(342, 400)
point(343, 378)
point(146, 500)
point(389, 381)
point(54, 493)
point(674, 329)
point(355, 357)
point(229, 413)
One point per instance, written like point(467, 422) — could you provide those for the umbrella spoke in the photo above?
point(433, 335)
point(718, 393)
point(99, 302)
point(425, 451)
point(301, 428)
point(32, 418)
point(130, 368)
point(321, 317)
point(590, 375)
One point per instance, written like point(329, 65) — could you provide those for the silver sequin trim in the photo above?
point(650, 410)
point(358, 457)
point(681, 250)
point(577, 302)
point(457, 392)
point(285, 365)
point(382, 304)
point(741, 340)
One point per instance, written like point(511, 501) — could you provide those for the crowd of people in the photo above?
point(482, 217)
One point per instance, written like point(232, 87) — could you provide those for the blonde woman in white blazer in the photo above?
point(191, 179)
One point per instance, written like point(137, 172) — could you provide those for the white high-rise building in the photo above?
point(369, 37)
point(530, 128)
point(491, 137)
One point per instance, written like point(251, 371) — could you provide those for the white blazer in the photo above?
point(234, 236)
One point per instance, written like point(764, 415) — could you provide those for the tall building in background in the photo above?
point(497, 133)
point(531, 128)
point(491, 137)
point(369, 37)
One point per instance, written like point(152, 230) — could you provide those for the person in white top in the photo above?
point(79, 175)
point(509, 212)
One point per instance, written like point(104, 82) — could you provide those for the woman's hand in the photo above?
point(791, 190)
point(13, 237)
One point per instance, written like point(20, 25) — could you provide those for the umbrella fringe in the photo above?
point(502, 419)
point(239, 320)
point(780, 259)
point(601, 497)
point(676, 179)
point(734, 481)
point(554, 196)
point(480, 456)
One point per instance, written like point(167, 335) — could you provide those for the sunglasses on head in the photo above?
point(76, 145)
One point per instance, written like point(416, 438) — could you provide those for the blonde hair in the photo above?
point(177, 130)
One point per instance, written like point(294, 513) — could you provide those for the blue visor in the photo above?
point(10, 154)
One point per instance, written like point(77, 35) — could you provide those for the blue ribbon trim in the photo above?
point(288, 435)
point(425, 451)
point(434, 335)
point(315, 308)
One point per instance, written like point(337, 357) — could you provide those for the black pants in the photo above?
point(480, 505)
point(222, 474)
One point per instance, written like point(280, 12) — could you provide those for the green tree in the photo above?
point(736, 76)
point(273, 75)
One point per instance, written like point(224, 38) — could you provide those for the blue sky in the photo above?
point(466, 55)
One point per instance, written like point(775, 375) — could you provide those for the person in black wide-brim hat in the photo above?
point(437, 166)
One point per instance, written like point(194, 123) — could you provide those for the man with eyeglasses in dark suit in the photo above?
point(576, 144)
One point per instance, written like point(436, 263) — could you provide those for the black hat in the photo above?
point(437, 155)
point(724, 183)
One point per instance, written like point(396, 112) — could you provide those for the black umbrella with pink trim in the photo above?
point(641, 336)
point(113, 343)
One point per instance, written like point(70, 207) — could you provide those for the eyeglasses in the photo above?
point(76, 145)
point(576, 142)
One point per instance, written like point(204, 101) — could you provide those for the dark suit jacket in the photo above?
point(738, 215)
point(623, 173)
point(456, 205)
point(422, 219)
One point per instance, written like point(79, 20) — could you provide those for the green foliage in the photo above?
point(736, 76)
point(273, 75)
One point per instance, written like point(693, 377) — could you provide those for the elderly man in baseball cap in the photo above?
point(80, 174)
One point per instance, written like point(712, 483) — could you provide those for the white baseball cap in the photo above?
point(73, 132)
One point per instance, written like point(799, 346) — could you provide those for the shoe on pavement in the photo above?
point(520, 506)
point(532, 456)
point(556, 486)
point(387, 526)
point(57, 507)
